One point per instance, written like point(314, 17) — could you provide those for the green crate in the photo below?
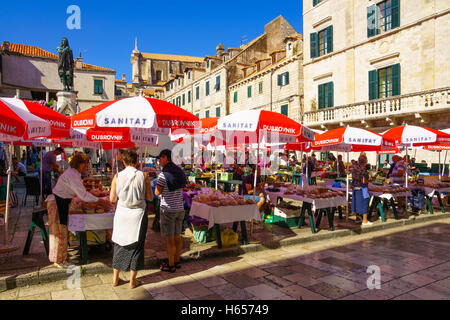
point(226, 176)
point(282, 222)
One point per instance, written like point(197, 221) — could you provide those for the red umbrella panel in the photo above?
point(416, 136)
point(136, 112)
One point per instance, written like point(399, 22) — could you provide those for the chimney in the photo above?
point(124, 78)
point(220, 49)
point(79, 62)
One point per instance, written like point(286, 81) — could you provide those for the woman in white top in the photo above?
point(68, 186)
point(130, 188)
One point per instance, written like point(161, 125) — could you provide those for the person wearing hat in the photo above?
point(169, 188)
point(248, 187)
point(48, 165)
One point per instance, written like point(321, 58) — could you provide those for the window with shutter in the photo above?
point(189, 97)
point(373, 85)
point(217, 83)
point(314, 45)
point(280, 80)
point(261, 87)
point(207, 88)
point(207, 114)
point(323, 43)
point(235, 98)
point(218, 112)
point(395, 13)
point(396, 80)
point(197, 93)
point(184, 99)
point(286, 78)
point(249, 91)
point(284, 110)
point(330, 94)
point(98, 86)
point(372, 21)
point(330, 39)
point(321, 97)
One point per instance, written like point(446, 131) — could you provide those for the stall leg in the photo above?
point(302, 216)
point(83, 247)
point(219, 239)
point(340, 212)
point(394, 208)
point(438, 195)
point(430, 205)
point(330, 215)
point(244, 232)
point(235, 226)
point(26, 249)
point(311, 218)
point(381, 211)
point(372, 206)
point(319, 217)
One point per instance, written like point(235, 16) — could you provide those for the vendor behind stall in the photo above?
point(248, 187)
point(68, 186)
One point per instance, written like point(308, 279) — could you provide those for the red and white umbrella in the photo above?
point(414, 136)
point(136, 112)
point(253, 126)
point(16, 120)
point(349, 139)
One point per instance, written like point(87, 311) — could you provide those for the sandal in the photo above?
point(165, 267)
point(178, 265)
point(137, 284)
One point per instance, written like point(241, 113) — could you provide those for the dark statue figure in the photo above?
point(65, 64)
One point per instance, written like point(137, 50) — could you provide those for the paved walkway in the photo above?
point(414, 263)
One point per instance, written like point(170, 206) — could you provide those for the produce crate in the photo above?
point(226, 176)
point(284, 217)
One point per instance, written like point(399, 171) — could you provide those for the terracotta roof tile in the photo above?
point(172, 57)
point(38, 52)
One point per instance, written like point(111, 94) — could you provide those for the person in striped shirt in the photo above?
point(169, 188)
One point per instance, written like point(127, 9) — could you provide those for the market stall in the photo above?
point(313, 198)
point(219, 208)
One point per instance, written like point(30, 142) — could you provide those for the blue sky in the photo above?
point(108, 28)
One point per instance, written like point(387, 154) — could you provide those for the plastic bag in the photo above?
point(229, 238)
point(201, 233)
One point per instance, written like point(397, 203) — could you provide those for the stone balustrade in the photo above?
point(419, 102)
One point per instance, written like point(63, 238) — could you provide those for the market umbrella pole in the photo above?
point(346, 181)
point(215, 162)
point(5, 239)
point(445, 160)
point(40, 171)
point(301, 166)
point(439, 168)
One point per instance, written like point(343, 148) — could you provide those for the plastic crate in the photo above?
point(226, 176)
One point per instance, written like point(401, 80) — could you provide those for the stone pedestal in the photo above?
point(66, 103)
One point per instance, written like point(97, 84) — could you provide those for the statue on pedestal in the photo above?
point(65, 64)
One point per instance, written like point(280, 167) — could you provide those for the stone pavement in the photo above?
point(18, 271)
point(414, 263)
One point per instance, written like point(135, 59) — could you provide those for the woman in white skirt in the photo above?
point(130, 188)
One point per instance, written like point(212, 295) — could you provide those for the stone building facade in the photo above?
point(31, 73)
point(150, 71)
point(207, 91)
point(376, 64)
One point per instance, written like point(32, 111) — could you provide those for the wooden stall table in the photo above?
point(226, 214)
point(80, 223)
point(318, 205)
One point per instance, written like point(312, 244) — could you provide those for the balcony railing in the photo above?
point(419, 102)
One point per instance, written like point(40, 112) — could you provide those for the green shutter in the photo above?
point(280, 80)
point(330, 89)
point(315, 2)
point(235, 97)
point(184, 99)
point(189, 97)
point(207, 88)
point(396, 79)
point(260, 87)
point(373, 85)
point(372, 21)
point(217, 83)
point(395, 13)
point(284, 110)
point(207, 114)
point(218, 112)
point(286, 78)
point(314, 45)
point(321, 96)
point(249, 91)
point(197, 93)
point(330, 39)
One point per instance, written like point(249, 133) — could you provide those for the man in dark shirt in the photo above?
point(248, 187)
